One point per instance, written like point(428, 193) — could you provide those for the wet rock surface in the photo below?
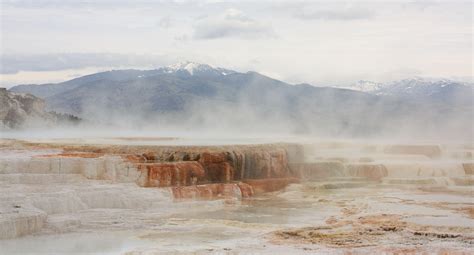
point(170, 174)
point(343, 198)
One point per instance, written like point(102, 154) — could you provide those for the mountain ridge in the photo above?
point(200, 95)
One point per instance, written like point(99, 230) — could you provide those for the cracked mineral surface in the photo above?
point(153, 195)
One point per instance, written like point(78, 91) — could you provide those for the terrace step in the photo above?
point(40, 178)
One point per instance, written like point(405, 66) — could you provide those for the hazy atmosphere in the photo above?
point(236, 127)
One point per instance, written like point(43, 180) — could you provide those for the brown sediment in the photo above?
point(170, 174)
point(246, 190)
point(150, 156)
point(219, 172)
point(348, 211)
point(468, 168)
point(385, 222)
point(328, 236)
point(260, 169)
point(369, 230)
point(437, 235)
point(469, 211)
point(217, 166)
point(211, 191)
point(134, 158)
point(417, 251)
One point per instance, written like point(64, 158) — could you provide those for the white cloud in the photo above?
point(345, 14)
point(331, 41)
point(232, 23)
point(14, 63)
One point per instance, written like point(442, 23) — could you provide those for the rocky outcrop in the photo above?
point(208, 171)
point(19, 110)
point(188, 171)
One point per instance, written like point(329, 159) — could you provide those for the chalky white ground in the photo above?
point(58, 208)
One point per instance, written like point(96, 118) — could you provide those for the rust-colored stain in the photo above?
point(215, 173)
point(197, 171)
point(219, 172)
point(134, 158)
point(216, 157)
point(213, 190)
point(246, 190)
point(270, 185)
point(469, 211)
point(150, 156)
point(468, 168)
point(217, 165)
point(171, 173)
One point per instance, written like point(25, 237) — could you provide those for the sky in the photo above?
point(318, 42)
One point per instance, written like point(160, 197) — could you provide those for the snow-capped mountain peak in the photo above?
point(365, 86)
point(193, 68)
point(188, 66)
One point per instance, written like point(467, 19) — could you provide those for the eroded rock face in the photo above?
point(217, 166)
point(264, 169)
point(249, 169)
point(170, 174)
point(212, 166)
point(18, 110)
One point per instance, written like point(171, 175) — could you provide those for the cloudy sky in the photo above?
point(319, 42)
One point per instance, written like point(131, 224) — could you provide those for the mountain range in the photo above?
point(195, 96)
point(414, 87)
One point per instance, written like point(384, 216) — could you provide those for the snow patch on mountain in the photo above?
point(190, 67)
point(417, 86)
point(365, 86)
point(193, 68)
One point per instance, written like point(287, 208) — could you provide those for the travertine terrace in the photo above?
point(126, 197)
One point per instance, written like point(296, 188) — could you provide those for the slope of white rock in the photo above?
point(70, 204)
